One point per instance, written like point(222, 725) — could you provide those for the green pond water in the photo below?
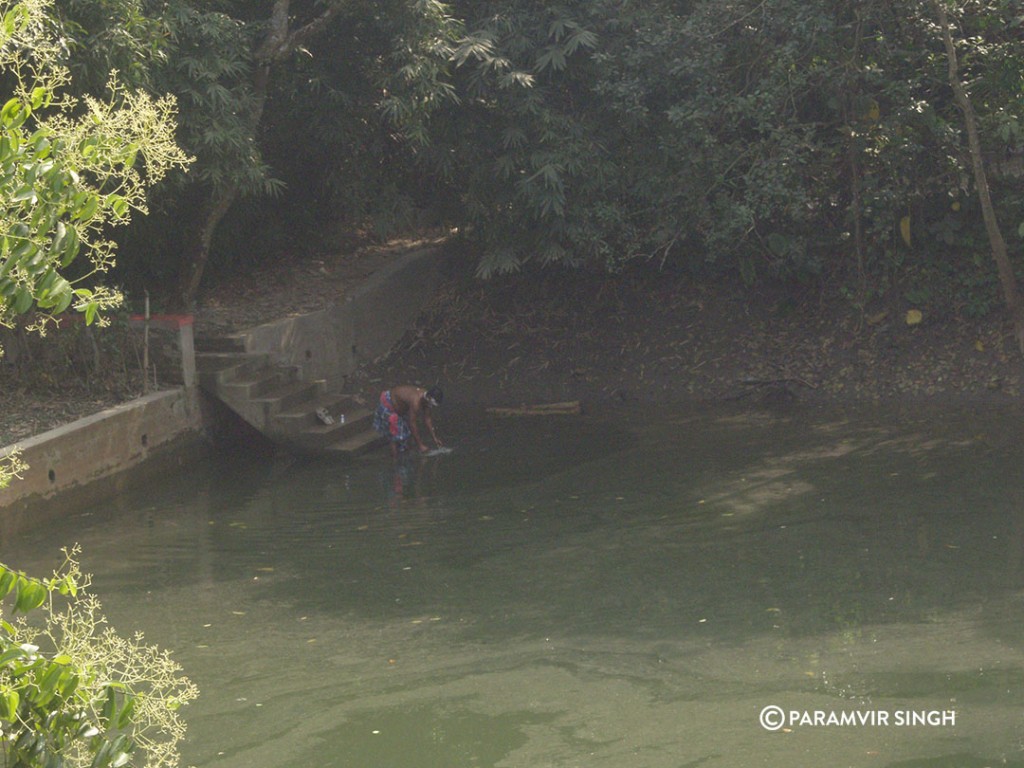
point(630, 590)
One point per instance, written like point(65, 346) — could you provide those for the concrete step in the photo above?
point(303, 414)
point(361, 442)
point(316, 435)
point(217, 369)
point(258, 384)
point(275, 401)
point(289, 396)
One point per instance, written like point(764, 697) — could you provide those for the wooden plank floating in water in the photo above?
point(571, 408)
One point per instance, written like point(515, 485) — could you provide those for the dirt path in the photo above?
point(283, 290)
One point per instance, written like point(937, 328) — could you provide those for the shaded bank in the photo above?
point(652, 336)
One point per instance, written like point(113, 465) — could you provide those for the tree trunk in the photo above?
point(1007, 279)
point(278, 45)
point(199, 252)
point(856, 205)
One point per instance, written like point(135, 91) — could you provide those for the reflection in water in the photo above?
point(581, 591)
point(407, 477)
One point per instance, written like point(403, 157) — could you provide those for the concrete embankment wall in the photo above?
point(100, 455)
point(93, 456)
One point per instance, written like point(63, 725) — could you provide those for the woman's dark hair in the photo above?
point(434, 395)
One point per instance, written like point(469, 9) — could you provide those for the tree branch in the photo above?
point(281, 42)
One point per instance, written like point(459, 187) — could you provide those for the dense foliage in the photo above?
point(808, 140)
point(815, 141)
point(75, 693)
point(69, 169)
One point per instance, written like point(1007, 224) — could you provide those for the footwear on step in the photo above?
point(324, 416)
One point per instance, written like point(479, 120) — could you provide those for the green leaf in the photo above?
point(9, 701)
point(12, 113)
point(109, 706)
point(68, 246)
point(118, 753)
point(11, 654)
point(24, 252)
point(15, 20)
point(42, 147)
point(23, 299)
point(132, 156)
point(27, 192)
point(102, 756)
point(45, 283)
point(68, 685)
point(88, 209)
point(7, 581)
point(62, 295)
point(49, 682)
point(581, 37)
point(87, 730)
point(30, 594)
point(88, 147)
point(553, 57)
point(118, 205)
point(126, 714)
point(41, 96)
